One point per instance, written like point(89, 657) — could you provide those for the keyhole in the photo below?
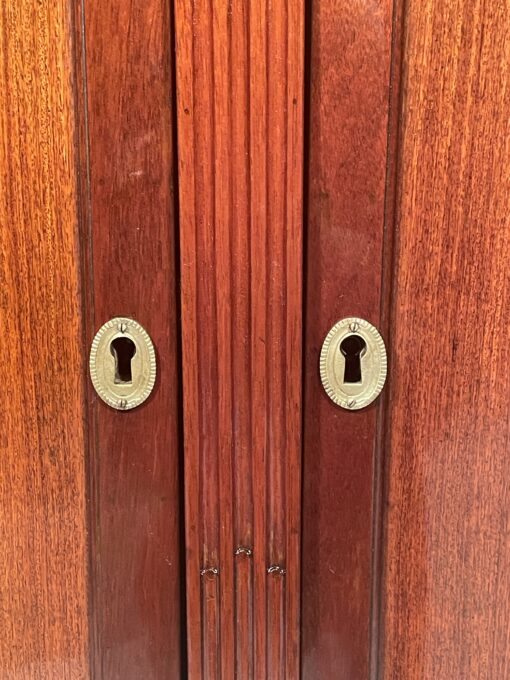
point(123, 350)
point(353, 347)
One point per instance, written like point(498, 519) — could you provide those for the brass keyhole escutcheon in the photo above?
point(123, 363)
point(353, 363)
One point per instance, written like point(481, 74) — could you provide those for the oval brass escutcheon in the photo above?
point(122, 363)
point(353, 363)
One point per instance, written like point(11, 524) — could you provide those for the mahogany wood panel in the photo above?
point(136, 570)
point(350, 59)
point(240, 104)
point(447, 588)
point(43, 574)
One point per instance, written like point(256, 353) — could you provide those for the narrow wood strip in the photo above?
point(223, 227)
point(294, 121)
point(244, 617)
point(348, 126)
point(135, 461)
point(386, 328)
point(258, 67)
point(275, 298)
point(241, 349)
point(211, 634)
point(43, 533)
point(186, 117)
point(239, 70)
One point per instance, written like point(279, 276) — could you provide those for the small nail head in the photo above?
point(210, 571)
point(244, 551)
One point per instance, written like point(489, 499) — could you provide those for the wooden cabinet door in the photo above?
point(405, 505)
point(238, 176)
point(446, 551)
point(92, 576)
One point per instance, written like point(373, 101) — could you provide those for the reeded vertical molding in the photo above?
point(240, 122)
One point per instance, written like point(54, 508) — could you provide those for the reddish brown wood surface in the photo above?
point(348, 147)
point(136, 574)
point(447, 587)
point(240, 103)
point(43, 574)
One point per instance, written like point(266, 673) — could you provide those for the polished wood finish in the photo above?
point(43, 574)
point(240, 103)
point(350, 53)
point(135, 507)
point(87, 208)
point(447, 591)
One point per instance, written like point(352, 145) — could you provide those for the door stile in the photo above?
point(348, 254)
point(240, 102)
point(124, 64)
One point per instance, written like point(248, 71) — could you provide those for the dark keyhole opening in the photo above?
point(353, 347)
point(123, 350)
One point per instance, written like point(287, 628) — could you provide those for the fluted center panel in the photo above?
point(240, 131)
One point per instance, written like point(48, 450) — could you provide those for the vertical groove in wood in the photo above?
point(43, 533)
point(387, 275)
point(135, 499)
point(240, 157)
point(447, 559)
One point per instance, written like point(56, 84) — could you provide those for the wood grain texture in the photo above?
point(43, 575)
point(136, 576)
point(240, 103)
point(350, 56)
point(447, 588)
